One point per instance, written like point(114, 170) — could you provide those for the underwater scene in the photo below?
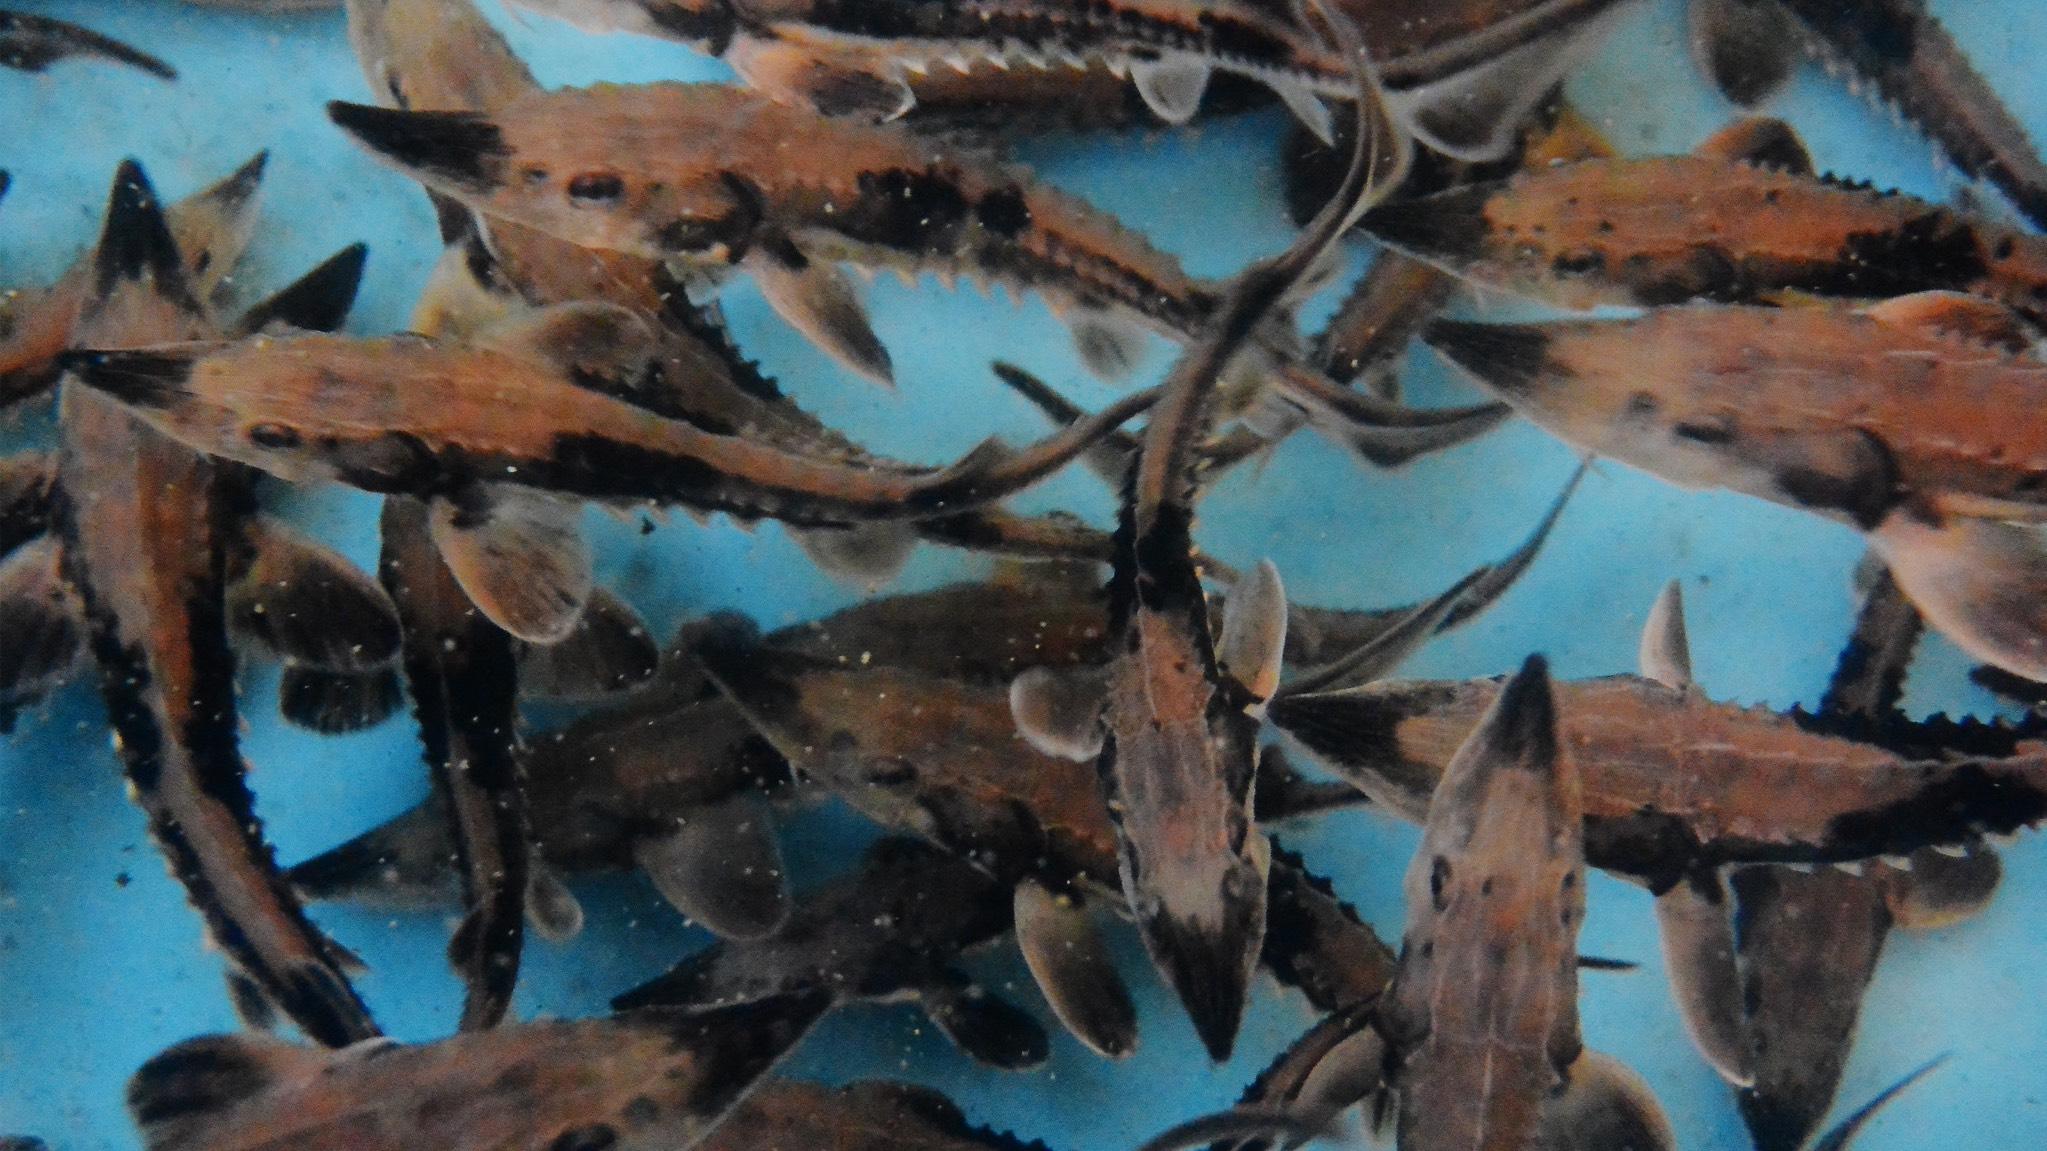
point(969, 575)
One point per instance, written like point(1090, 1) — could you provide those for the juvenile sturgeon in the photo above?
point(1743, 219)
point(157, 626)
point(1459, 75)
point(1884, 418)
point(697, 173)
point(637, 1081)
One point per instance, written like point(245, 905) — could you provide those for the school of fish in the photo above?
point(1117, 723)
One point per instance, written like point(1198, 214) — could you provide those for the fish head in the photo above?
point(1498, 885)
point(633, 170)
point(282, 406)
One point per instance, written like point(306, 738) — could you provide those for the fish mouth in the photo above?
point(465, 151)
point(1507, 358)
point(147, 381)
point(1209, 966)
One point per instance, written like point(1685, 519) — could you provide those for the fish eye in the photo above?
point(1439, 878)
point(273, 436)
point(596, 188)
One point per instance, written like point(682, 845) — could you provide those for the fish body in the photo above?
point(1482, 1015)
point(1672, 779)
point(1659, 230)
point(408, 416)
point(157, 627)
point(33, 43)
point(640, 1080)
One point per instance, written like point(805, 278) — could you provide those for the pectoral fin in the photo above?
point(1171, 86)
point(1604, 1105)
point(519, 555)
point(42, 637)
point(1943, 890)
point(1696, 924)
point(1748, 48)
point(834, 87)
point(601, 346)
point(552, 910)
point(608, 650)
point(1109, 346)
point(1073, 968)
point(868, 555)
point(721, 865)
point(305, 602)
point(1253, 640)
point(989, 1029)
point(1060, 712)
point(1476, 115)
point(1763, 141)
point(816, 299)
point(335, 702)
point(1981, 583)
point(1956, 314)
point(1665, 653)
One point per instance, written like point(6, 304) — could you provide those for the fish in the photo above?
point(1905, 56)
point(872, 195)
point(33, 43)
point(1454, 72)
point(145, 529)
point(1741, 220)
point(866, 1115)
point(212, 228)
point(1874, 417)
point(637, 1080)
point(890, 929)
point(1748, 48)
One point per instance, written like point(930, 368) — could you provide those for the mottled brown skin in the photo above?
point(1673, 779)
point(639, 1081)
point(1666, 229)
point(461, 673)
point(1828, 410)
point(1482, 1015)
point(146, 526)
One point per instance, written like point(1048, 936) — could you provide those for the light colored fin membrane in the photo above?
point(1253, 639)
point(606, 341)
point(1981, 583)
point(1695, 923)
point(1747, 48)
point(42, 638)
point(309, 604)
point(1665, 653)
point(551, 908)
point(1171, 86)
point(816, 299)
point(793, 75)
point(1942, 313)
point(1060, 712)
point(1476, 116)
point(520, 556)
point(722, 867)
point(1109, 346)
point(867, 556)
point(1074, 969)
point(1604, 1106)
point(1943, 890)
point(1308, 108)
point(608, 651)
point(1352, 1072)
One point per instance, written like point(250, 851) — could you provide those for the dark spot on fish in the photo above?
point(595, 1137)
point(909, 211)
point(596, 189)
point(1705, 272)
point(1579, 263)
point(2005, 247)
point(516, 1079)
point(1955, 805)
point(1486, 887)
point(1935, 250)
point(391, 463)
point(708, 24)
point(1439, 879)
point(1641, 406)
point(1704, 433)
point(1004, 212)
point(641, 1111)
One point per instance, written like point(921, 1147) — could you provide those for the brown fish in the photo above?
point(1885, 418)
point(33, 43)
point(640, 1080)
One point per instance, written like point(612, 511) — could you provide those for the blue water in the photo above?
point(102, 964)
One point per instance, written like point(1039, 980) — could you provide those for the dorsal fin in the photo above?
point(1955, 314)
point(1666, 651)
point(600, 346)
point(136, 243)
point(1763, 141)
point(1254, 631)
